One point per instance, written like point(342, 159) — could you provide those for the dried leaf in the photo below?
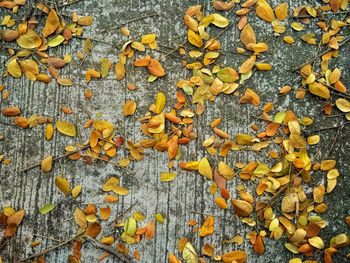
point(204, 168)
point(62, 184)
point(155, 68)
point(189, 254)
point(264, 11)
point(343, 105)
point(160, 102)
point(51, 24)
point(129, 108)
point(46, 164)
point(167, 176)
point(238, 256)
point(207, 227)
point(14, 68)
point(194, 38)
point(247, 36)
point(29, 40)
point(66, 128)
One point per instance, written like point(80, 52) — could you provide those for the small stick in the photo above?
point(69, 3)
point(108, 249)
point(321, 54)
point(51, 248)
point(47, 237)
point(334, 141)
point(126, 210)
point(8, 123)
point(132, 20)
point(323, 14)
point(331, 127)
point(54, 159)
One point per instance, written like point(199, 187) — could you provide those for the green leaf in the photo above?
point(46, 209)
point(57, 40)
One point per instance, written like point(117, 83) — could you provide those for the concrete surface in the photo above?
point(189, 192)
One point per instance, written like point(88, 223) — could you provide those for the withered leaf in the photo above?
point(66, 128)
point(52, 23)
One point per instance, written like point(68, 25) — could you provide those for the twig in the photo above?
point(276, 195)
point(323, 14)
point(126, 210)
point(132, 20)
point(8, 123)
point(108, 249)
point(330, 128)
point(54, 159)
point(47, 237)
point(51, 248)
point(321, 54)
point(69, 3)
point(334, 141)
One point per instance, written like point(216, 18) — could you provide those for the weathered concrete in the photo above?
point(189, 192)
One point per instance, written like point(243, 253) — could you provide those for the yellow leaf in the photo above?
point(49, 132)
point(148, 39)
point(66, 128)
point(227, 75)
point(343, 105)
point(281, 11)
point(247, 65)
point(225, 170)
point(316, 242)
point(29, 40)
point(238, 256)
point(110, 184)
point(106, 65)
point(204, 168)
point(244, 139)
point(120, 71)
point(220, 21)
point(189, 253)
point(63, 185)
point(65, 82)
point(320, 90)
point(76, 191)
point(52, 23)
point(80, 218)
point(264, 11)
point(167, 177)
point(120, 190)
point(194, 38)
point(46, 164)
point(159, 218)
point(85, 20)
point(14, 68)
point(160, 102)
point(247, 36)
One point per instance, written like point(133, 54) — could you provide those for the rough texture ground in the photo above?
point(187, 196)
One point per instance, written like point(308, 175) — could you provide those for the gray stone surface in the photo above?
point(189, 192)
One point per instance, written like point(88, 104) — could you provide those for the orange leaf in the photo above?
point(93, 230)
point(155, 68)
point(207, 227)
